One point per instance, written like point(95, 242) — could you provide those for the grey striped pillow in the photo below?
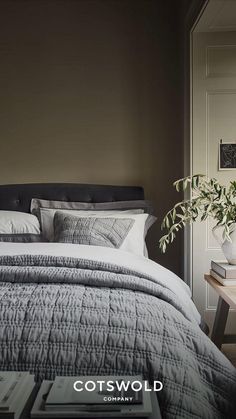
point(22, 238)
point(107, 232)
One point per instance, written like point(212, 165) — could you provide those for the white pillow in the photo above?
point(14, 222)
point(134, 241)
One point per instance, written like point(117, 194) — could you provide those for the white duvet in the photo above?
point(109, 255)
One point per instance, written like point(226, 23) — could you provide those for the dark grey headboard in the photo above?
point(18, 197)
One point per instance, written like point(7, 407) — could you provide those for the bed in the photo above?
point(69, 308)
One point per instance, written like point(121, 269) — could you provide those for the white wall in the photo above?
point(90, 91)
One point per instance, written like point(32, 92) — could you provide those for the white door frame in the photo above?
point(188, 142)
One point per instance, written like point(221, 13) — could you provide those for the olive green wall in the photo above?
point(90, 91)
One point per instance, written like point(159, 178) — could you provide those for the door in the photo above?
point(213, 119)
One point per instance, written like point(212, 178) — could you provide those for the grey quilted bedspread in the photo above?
point(76, 317)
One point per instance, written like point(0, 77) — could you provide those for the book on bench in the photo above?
point(15, 390)
point(63, 395)
point(58, 399)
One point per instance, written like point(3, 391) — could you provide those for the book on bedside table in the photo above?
point(224, 269)
point(221, 279)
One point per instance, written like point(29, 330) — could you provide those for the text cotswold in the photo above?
point(121, 385)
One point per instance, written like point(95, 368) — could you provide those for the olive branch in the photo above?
point(209, 199)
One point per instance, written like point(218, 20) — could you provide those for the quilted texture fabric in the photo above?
point(68, 316)
point(108, 232)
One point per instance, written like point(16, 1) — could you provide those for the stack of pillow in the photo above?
point(122, 224)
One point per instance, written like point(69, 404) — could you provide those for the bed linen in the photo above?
point(86, 310)
point(105, 232)
point(15, 222)
point(145, 205)
point(16, 226)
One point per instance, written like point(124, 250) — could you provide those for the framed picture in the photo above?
point(227, 156)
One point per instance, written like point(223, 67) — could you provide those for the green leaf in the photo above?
point(209, 198)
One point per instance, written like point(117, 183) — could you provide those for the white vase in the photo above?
point(228, 247)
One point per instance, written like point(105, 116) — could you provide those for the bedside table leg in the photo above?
point(218, 330)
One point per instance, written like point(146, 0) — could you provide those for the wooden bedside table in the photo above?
point(227, 299)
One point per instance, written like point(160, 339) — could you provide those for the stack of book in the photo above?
point(223, 272)
point(58, 399)
point(15, 390)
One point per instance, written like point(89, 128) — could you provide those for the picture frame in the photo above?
point(227, 155)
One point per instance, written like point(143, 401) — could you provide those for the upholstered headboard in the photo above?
point(18, 197)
